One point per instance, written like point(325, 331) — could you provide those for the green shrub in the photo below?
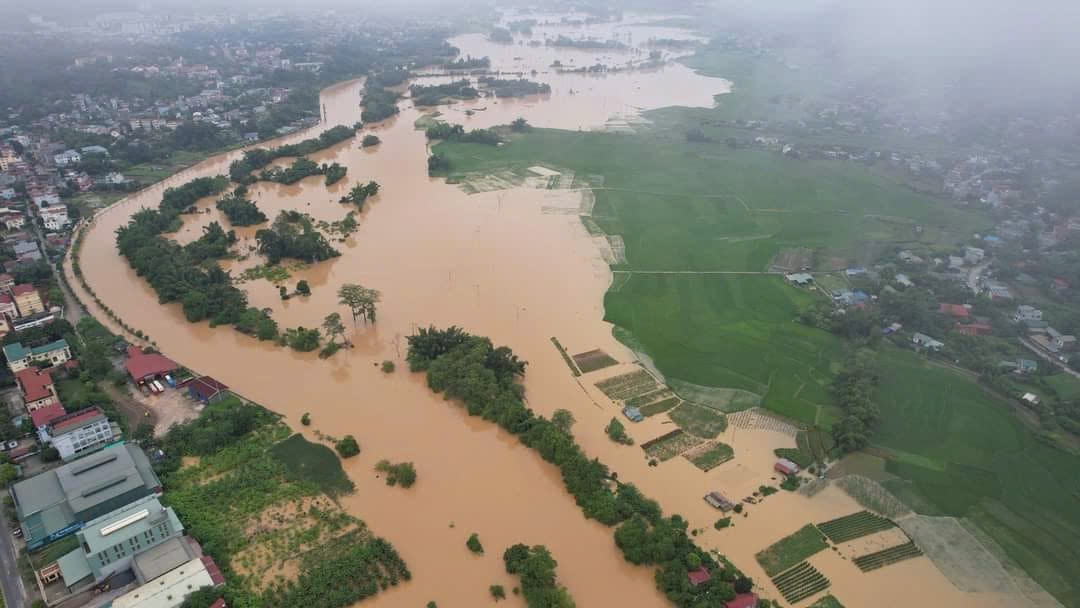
point(348, 447)
point(305, 419)
point(497, 592)
point(722, 523)
point(388, 366)
point(474, 544)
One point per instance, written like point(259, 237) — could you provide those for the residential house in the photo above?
point(925, 341)
point(12, 219)
point(856, 271)
point(42, 198)
point(799, 278)
point(973, 329)
point(79, 433)
point(7, 305)
point(974, 255)
point(742, 600)
point(34, 320)
point(909, 257)
point(1030, 398)
point(956, 261)
point(786, 467)
point(37, 388)
point(109, 543)
point(904, 280)
point(54, 217)
point(719, 501)
point(698, 576)
point(26, 251)
point(998, 291)
point(892, 329)
point(27, 300)
point(54, 504)
point(19, 357)
point(170, 589)
point(1025, 312)
point(66, 158)
point(41, 417)
point(955, 310)
point(6, 281)
point(99, 150)
point(1062, 341)
point(1020, 366)
point(206, 390)
point(7, 193)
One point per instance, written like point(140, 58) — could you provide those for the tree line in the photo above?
point(484, 378)
point(240, 170)
point(448, 132)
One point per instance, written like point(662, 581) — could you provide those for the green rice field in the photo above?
point(791, 550)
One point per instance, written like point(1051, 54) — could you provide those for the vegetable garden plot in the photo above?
point(892, 555)
point(800, 582)
point(670, 445)
point(856, 525)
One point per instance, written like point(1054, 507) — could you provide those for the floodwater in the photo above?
point(495, 264)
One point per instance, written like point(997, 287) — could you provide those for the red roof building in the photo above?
point(742, 600)
point(206, 389)
point(74, 420)
point(45, 415)
point(786, 467)
point(37, 388)
point(213, 570)
point(141, 366)
point(956, 310)
point(699, 576)
point(973, 329)
point(22, 289)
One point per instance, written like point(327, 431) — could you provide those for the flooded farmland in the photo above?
point(499, 264)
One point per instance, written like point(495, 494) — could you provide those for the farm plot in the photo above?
point(628, 386)
point(827, 602)
point(699, 420)
point(792, 260)
point(800, 582)
point(650, 397)
point(670, 445)
point(791, 550)
point(593, 360)
point(856, 525)
point(887, 557)
point(710, 455)
point(657, 407)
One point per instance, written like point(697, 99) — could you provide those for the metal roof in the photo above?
point(126, 522)
point(169, 590)
point(161, 558)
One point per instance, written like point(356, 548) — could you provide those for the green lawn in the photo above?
point(791, 550)
point(827, 602)
point(735, 332)
point(1066, 386)
point(967, 455)
point(315, 462)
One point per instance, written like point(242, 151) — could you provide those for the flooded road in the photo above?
point(496, 264)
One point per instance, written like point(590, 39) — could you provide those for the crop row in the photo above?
point(854, 526)
point(800, 582)
point(892, 555)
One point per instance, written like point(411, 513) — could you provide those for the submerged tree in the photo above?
point(333, 326)
point(360, 300)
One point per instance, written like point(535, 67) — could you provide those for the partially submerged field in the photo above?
point(701, 224)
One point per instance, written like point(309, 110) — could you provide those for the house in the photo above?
point(67, 157)
point(904, 280)
point(998, 291)
point(54, 217)
point(1031, 398)
point(170, 589)
point(27, 300)
point(856, 271)
point(19, 357)
point(973, 329)
point(26, 250)
point(1061, 341)
point(719, 501)
point(892, 329)
point(99, 150)
point(37, 388)
point(974, 255)
point(108, 544)
point(927, 342)
point(35, 320)
point(147, 366)
point(909, 257)
point(7, 305)
point(1020, 366)
point(79, 433)
point(6, 281)
point(955, 310)
point(207, 390)
point(698, 576)
point(742, 600)
point(956, 261)
point(42, 416)
point(12, 220)
point(786, 467)
point(633, 413)
point(799, 278)
point(54, 504)
point(1027, 313)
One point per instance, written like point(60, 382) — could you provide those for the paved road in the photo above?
point(10, 582)
point(72, 311)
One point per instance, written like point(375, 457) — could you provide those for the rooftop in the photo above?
point(206, 387)
point(45, 415)
point(16, 351)
point(161, 558)
point(23, 289)
point(141, 365)
point(76, 420)
point(34, 383)
point(168, 591)
point(126, 522)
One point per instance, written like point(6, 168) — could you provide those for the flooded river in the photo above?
point(497, 265)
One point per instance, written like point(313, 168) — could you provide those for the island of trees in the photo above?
point(468, 63)
point(379, 103)
point(240, 210)
point(240, 171)
point(484, 378)
point(513, 88)
point(293, 235)
point(430, 95)
point(448, 132)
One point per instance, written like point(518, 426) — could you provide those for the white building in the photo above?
point(973, 255)
point(48, 197)
point(67, 157)
point(1027, 313)
point(55, 217)
point(76, 434)
point(926, 341)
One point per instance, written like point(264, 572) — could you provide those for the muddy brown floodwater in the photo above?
point(497, 265)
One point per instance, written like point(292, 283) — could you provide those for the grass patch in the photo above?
point(795, 455)
point(313, 462)
point(54, 551)
point(670, 445)
point(659, 407)
point(711, 455)
point(791, 550)
point(593, 360)
point(699, 420)
point(627, 386)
